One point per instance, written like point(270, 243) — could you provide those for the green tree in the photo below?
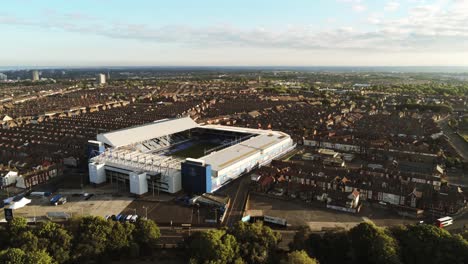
point(298, 257)
point(324, 247)
point(371, 244)
point(38, 257)
point(26, 241)
point(17, 226)
point(146, 234)
point(91, 237)
point(121, 237)
point(256, 241)
point(300, 239)
point(55, 240)
point(12, 256)
point(430, 244)
point(214, 247)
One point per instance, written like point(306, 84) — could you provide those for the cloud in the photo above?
point(392, 6)
point(356, 5)
point(426, 28)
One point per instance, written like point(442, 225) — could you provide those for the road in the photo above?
point(458, 143)
point(238, 191)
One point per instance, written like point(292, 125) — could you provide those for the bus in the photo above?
point(275, 220)
point(444, 221)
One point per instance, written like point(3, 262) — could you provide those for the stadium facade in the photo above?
point(174, 154)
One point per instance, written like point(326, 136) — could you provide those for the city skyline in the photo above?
point(237, 33)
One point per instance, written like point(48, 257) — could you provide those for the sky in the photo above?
point(234, 33)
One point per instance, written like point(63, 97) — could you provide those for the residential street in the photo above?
point(460, 145)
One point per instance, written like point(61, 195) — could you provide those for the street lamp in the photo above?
point(146, 212)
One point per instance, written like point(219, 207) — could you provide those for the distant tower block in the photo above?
point(35, 75)
point(102, 79)
point(259, 79)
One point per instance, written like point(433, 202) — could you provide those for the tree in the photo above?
point(325, 247)
point(121, 237)
point(91, 237)
point(38, 257)
point(300, 239)
point(213, 246)
point(55, 240)
point(146, 234)
point(298, 257)
point(371, 244)
point(17, 225)
point(12, 256)
point(19, 235)
point(256, 241)
point(26, 241)
point(430, 244)
point(18, 256)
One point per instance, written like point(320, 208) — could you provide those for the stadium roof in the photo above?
point(236, 153)
point(156, 129)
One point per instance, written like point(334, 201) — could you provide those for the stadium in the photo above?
point(171, 155)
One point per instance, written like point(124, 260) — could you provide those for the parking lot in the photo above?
point(98, 204)
point(298, 213)
point(169, 211)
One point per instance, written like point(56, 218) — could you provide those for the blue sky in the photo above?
point(228, 32)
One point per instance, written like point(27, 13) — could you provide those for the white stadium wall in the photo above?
point(138, 183)
point(97, 173)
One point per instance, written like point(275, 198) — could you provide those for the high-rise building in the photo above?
point(102, 78)
point(3, 77)
point(35, 75)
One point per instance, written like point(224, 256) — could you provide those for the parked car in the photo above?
point(62, 200)
point(54, 200)
point(134, 219)
point(87, 197)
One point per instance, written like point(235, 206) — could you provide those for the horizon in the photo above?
point(299, 33)
point(318, 68)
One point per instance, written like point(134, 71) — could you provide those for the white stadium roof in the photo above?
point(236, 153)
point(145, 132)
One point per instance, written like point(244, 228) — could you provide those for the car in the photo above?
point(134, 219)
point(114, 217)
point(117, 218)
point(122, 218)
point(107, 217)
point(129, 217)
point(61, 200)
point(87, 197)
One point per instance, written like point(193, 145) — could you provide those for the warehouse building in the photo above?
point(174, 154)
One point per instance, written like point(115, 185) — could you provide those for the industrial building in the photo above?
point(174, 154)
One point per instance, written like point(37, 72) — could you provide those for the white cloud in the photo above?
point(356, 5)
point(392, 6)
point(427, 28)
